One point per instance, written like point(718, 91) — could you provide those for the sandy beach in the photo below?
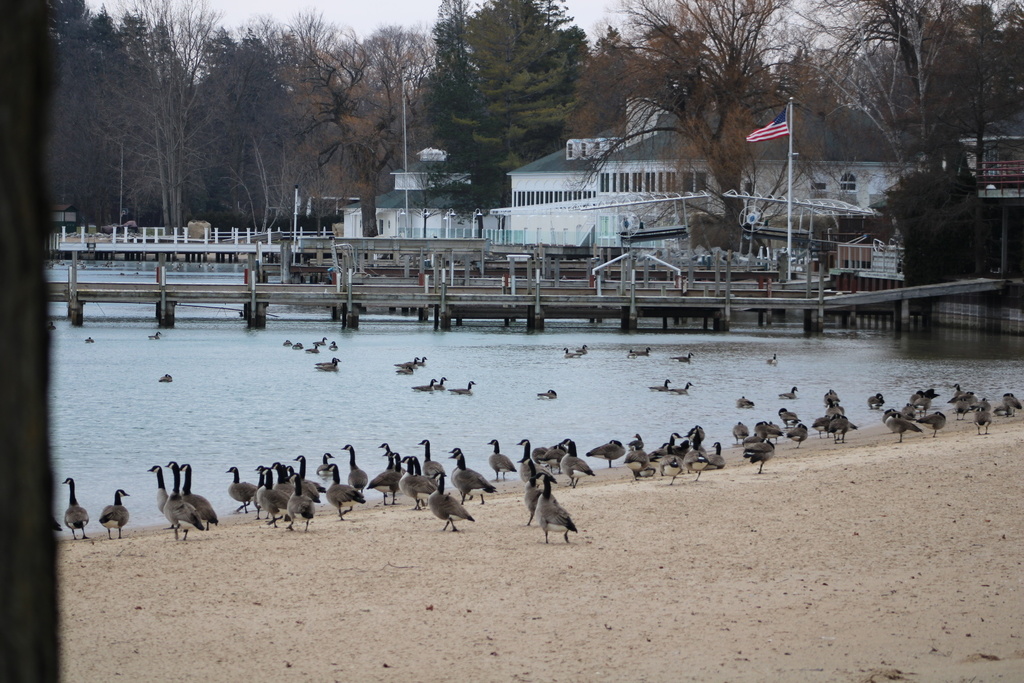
point(866, 561)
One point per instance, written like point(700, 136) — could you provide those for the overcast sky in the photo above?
point(366, 15)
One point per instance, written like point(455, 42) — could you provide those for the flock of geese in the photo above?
point(283, 493)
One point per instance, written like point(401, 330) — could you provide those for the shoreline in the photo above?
point(841, 562)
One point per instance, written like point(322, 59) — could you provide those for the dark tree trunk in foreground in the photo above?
point(28, 606)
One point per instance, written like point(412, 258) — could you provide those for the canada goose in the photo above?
point(715, 459)
point(408, 365)
point(532, 492)
point(936, 421)
point(637, 460)
point(683, 359)
point(76, 516)
point(272, 500)
point(550, 458)
point(838, 426)
point(821, 425)
point(1011, 404)
point(241, 491)
point(312, 349)
point(342, 496)
point(832, 407)
point(310, 489)
point(414, 484)
point(297, 346)
point(767, 430)
point(114, 516)
point(440, 384)
point(636, 354)
point(682, 391)
point(669, 448)
point(982, 418)
point(201, 504)
point(550, 393)
point(573, 466)
point(445, 507)
point(287, 342)
point(744, 402)
point(908, 412)
point(898, 423)
point(798, 434)
point(50, 325)
point(404, 371)
point(570, 354)
point(922, 400)
point(322, 342)
point(774, 360)
point(328, 366)
point(637, 441)
point(466, 480)
point(671, 466)
point(694, 461)
point(876, 402)
point(499, 462)
point(177, 510)
point(613, 450)
point(431, 468)
point(333, 346)
point(161, 492)
point(528, 466)
point(551, 515)
point(426, 387)
point(324, 470)
point(468, 391)
point(166, 378)
point(299, 505)
point(155, 336)
point(740, 432)
point(963, 405)
point(419, 362)
point(387, 481)
point(583, 350)
point(958, 394)
point(830, 397)
point(791, 394)
point(90, 340)
point(759, 452)
point(788, 417)
point(661, 387)
point(357, 478)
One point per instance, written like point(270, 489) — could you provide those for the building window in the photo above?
point(848, 183)
point(670, 181)
point(700, 181)
point(604, 182)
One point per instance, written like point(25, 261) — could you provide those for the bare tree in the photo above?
point(28, 599)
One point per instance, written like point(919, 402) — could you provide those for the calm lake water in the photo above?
point(241, 398)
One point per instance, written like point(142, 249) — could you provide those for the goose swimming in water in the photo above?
point(328, 366)
point(636, 354)
point(166, 378)
point(550, 393)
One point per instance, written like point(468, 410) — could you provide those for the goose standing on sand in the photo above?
point(637, 461)
point(310, 489)
point(299, 505)
point(661, 387)
point(426, 387)
point(528, 466)
point(683, 359)
point(499, 462)
point(177, 511)
point(613, 450)
point(798, 434)
point(161, 492)
point(715, 459)
point(431, 468)
point(936, 421)
point(572, 465)
point(550, 394)
point(838, 426)
point(445, 507)
point(789, 395)
point(1011, 404)
point(342, 496)
point(324, 470)
point(468, 391)
point(760, 452)
point(740, 431)
point(982, 418)
point(898, 424)
point(821, 425)
point(413, 484)
point(272, 500)
point(242, 491)
point(671, 466)
point(532, 492)
point(551, 515)
point(203, 507)
point(550, 458)
point(387, 481)
point(466, 480)
point(328, 366)
point(694, 461)
point(75, 516)
point(357, 478)
point(114, 516)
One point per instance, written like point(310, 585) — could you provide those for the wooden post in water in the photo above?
point(75, 307)
point(727, 313)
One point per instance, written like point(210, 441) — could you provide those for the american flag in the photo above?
point(776, 129)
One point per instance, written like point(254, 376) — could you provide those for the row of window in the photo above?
point(530, 198)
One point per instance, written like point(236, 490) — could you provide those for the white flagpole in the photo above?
point(789, 195)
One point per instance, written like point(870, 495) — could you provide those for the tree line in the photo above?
point(162, 115)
